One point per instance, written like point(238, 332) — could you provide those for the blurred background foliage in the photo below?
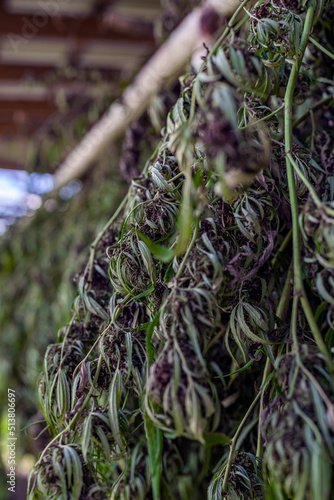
point(39, 258)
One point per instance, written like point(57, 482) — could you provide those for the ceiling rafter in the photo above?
point(60, 51)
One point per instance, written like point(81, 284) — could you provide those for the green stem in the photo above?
point(233, 445)
point(154, 443)
point(316, 332)
point(293, 327)
point(240, 24)
point(312, 146)
point(186, 255)
point(309, 186)
point(307, 183)
point(299, 290)
point(176, 177)
point(266, 372)
point(283, 305)
point(253, 124)
point(218, 43)
point(283, 246)
point(314, 107)
point(195, 91)
point(320, 47)
point(89, 352)
point(234, 17)
point(228, 27)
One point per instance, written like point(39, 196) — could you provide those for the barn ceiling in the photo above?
point(50, 48)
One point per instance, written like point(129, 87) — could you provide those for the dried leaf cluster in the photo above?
point(198, 361)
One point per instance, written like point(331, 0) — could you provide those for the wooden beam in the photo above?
point(31, 106)
point(24, 71)
point(20, 93)
point(10, 129)
point(41, 24)
point(127, 24)
point(19, 72)
point(18, 117)
point(11, 164)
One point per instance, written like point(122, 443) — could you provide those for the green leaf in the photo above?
point(245, 367)
point(113, 412)
point(154, 441)
point(63, 394)
point(140, 295)
point(86, 434)
point(68, 467)
point(149, 334)
point(162, 253)
point(95, 308)
point(223, 97)
point(185, 220)
point(148, 261)
point(59, 470)
point(77, 473)
point(103, 440)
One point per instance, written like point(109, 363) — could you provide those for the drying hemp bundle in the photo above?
point(298, 428)
point(198, 361)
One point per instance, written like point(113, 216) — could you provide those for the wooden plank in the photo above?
point(30, 26)
point(9, 106)
point(24, 116)
point(10, 164)
point(25, 71)
point(21, 92)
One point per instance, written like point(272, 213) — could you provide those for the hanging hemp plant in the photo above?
point(198, 361)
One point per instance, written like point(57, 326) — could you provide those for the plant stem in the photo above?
point(184, 261)
point(235, 15)
point(90, 350)
point(175, 177)
point(240, 24)
point(233, 445)
point(285, 297)
point(309, 186)
point(299, 290)
point(320, 47)
point(283, 246)
point(266, 372)
point(228, 27)
point(253, 124)
point(113, 319)
point(293, 327)
point(314, 107)
point(307, 183)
